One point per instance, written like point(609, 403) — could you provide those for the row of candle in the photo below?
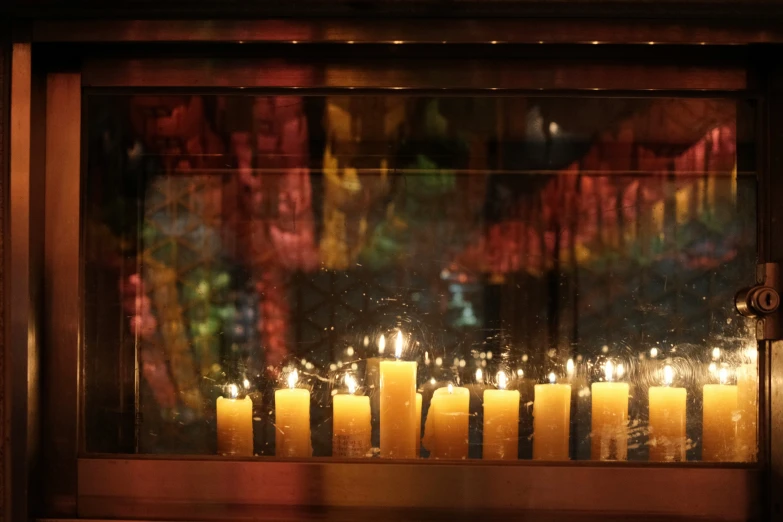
point(446, 429)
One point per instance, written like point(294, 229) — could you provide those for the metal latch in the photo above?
point(763, 302)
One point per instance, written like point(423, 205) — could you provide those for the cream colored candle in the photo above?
point(446, 431)
point(610, 416)
point(551, 420)
point(501, 422)
point(292, 420)
point(398, 406)
point(719, 429)
point(234, 424)
point(351, 428)
point(418, 425)
point(747, 406)
point(667, 420)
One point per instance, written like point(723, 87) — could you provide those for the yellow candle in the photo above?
point(610, 417)
point(418, 425)
point(501, 422)
point(551, 420)
point(351, 428)
point(446, 431)
point(398, 407)
point(718, 425)
point(292, 420)
point(234, 425)
point(667, 420)
point(747, 405)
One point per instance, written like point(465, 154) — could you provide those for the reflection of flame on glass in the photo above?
point(502, 381)
point(654, 352)
point(716, 353)
point(520, 372)
point(668, 375)
point(552, 377)
point(246, 383)
point(752, 354)
point(382, 344)
point(620, 371)
point(723, 375)
point(713, 368)
point(398, 345)
point(351, 383)
point(570, 367)
point(292, 378)
point(479, 375)
point(233, 391)
point(433, 381)
point(609, 371)
point(451, 389)
point(366, 341)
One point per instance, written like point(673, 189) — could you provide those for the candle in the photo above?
point(446, 431)
point(418, 425)
point(747, 405)
point(234, 424)
point(501, 422)
point(718, 426)
point(292, 420)
point(667, 420)
point(351, 423)
point(398, 406)
point(551, 420)
point(610, 416)
point(372, 383)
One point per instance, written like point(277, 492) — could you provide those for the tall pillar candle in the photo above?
point(609, 417)
point(551, 420)
point(398, 407)
point(446, 431)
point(351, 424)
point(372, 382)
point(418, 425)
point(718, 426)
point(748, 408)
point(501, 422)
point(667, 420)
point(234, 424)
point(292, 420)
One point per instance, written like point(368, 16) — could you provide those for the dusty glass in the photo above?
point(561, 269)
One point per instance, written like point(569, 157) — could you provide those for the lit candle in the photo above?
point(398, 406)
point(234, 424)
point(551, 420)
point(747, 405)
point(446, 431)
point(351, 425)
point(292, 420)
point(418, 425)
point(718, 425)
point(501, 422)
point(667, 420)
point(610, 416)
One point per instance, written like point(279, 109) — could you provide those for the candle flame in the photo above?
point(398, 345)
point(451, 389)
point(552, 377)
point(502, 380)
point(668, 375)
point(351, 383)
point(292, 378)
point(609, 371)
point(723, 375)
point(233, 391)
point(620, 370)
point(479, 375)
point(654, 352)
point(382, 344)
point(716, 353)
point(570, 367)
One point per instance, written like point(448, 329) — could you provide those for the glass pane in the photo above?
point(554, 277)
